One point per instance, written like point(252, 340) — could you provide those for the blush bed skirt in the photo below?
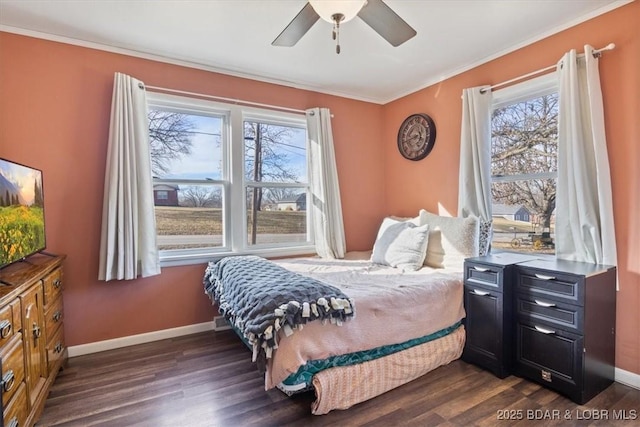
point(343, 387)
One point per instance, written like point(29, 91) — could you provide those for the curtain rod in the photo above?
point(596, 54)
point(221, 98)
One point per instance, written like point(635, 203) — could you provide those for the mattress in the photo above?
point(392, 307)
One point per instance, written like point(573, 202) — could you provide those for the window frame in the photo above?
point(233, 182)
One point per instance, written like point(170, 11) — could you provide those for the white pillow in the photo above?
point(401, 244)
point(451, 240)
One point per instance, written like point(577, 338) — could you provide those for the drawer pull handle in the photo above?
point(475, 267)
point(544, 331)
point(14, 422)
point(58, 347)
point(57, 283)
point(543, 277)
point(481, 293)
point(36, 331)
point(5, 328)
point(57, 316)
point(8, 379)
point(544, 304)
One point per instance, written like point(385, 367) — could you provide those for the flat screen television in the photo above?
point(21, 212)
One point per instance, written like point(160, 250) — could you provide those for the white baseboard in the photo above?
point(627, 378)
point(95, 347)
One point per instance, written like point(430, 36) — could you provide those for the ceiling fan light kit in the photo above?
point(328, 9)
point(375, 13)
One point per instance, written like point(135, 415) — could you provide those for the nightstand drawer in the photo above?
point(549, 356)
point(559, 314)
point(483, 275)
point(554, 286)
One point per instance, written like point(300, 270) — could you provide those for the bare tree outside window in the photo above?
point(200, 197)
point(272, 156)
point(188, 203)
point(524, 160)
point(170, 137)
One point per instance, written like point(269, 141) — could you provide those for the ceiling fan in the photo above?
point(374, 13)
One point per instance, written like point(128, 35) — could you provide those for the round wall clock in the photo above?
point(416, 136)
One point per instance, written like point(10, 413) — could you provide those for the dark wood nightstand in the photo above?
point(488, 302)
point(565, 330)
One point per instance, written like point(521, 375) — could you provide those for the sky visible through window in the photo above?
point(205, 160)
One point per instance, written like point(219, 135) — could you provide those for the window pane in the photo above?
point(276, 215)
point(524, 142)
point(274, 153)
point(524, 137)
point(185, 146)
point(190, 216)
point(524, 215)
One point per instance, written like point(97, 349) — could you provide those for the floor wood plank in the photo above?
point(208, 380)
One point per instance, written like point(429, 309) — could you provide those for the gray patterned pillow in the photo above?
point(484, 239)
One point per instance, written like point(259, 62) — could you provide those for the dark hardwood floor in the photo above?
point(208, 379)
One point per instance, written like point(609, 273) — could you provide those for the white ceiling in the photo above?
point(234, 37)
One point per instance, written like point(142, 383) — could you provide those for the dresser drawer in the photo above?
point(558, 287)
point(488, 276)
point(53, 316)
point(10, 321)
point(56, 348)
point(52, 286)
point(17, 411)
point(556, 313)
point(12, 357)
point(549, 356)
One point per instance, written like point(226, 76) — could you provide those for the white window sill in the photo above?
point(536, 254)
point(172, 260)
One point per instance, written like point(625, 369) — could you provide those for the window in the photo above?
point(524, 142)
point(227, 180)
point(275, 166)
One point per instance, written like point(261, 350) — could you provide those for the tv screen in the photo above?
point(21, 212)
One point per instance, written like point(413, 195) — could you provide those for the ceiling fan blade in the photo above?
point(298, 27)
point(386, 22)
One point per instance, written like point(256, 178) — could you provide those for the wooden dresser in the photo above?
point(32, 345)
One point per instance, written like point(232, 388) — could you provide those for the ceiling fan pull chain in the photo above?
point(336, 34)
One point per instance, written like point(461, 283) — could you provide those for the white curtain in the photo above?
point(474, 192)
point(584, 209)
point(128, 243)
point(474, 188)
point(328, 227)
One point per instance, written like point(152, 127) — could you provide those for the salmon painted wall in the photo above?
point(433, 182)
point(54, 115)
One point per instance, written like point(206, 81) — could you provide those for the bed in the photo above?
point(404, 324)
